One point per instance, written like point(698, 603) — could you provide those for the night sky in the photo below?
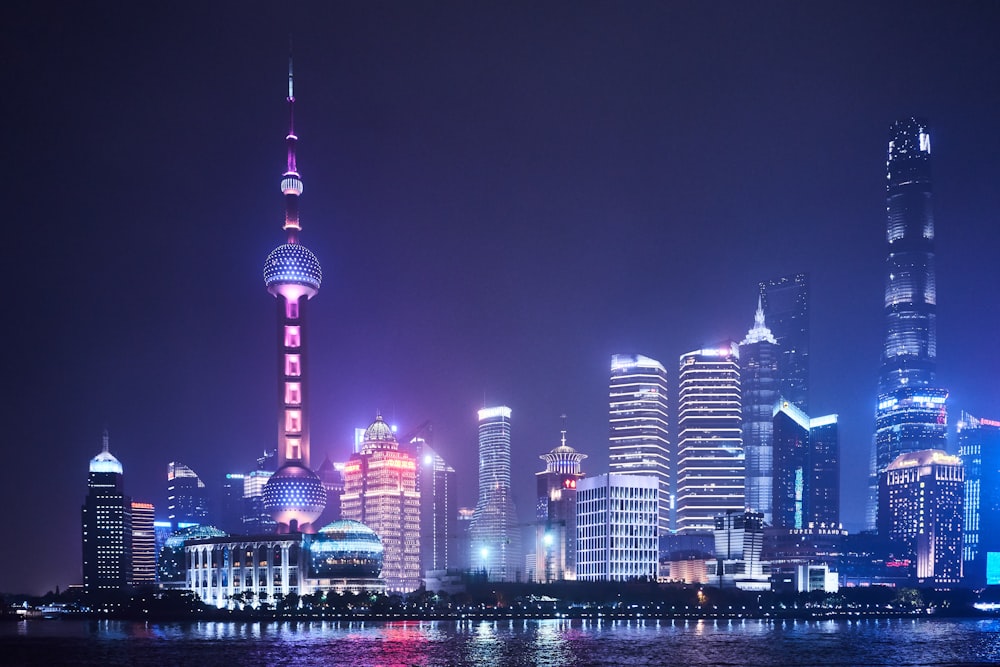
point(502, 195)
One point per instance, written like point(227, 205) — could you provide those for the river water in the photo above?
point(522, 642)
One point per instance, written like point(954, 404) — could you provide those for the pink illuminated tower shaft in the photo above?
point(294, 495)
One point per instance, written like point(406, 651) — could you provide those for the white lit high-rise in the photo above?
point(710, 460)
point(495, 536)
point(639, 442)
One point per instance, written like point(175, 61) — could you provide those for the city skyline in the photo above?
point(502, 200)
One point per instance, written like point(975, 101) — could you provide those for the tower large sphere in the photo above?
point(294, 495)
point(292, 264)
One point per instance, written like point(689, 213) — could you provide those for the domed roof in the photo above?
point(294, 493)
point(179, 537)
point(345, 549)
point(379, 431)
point(292, 263)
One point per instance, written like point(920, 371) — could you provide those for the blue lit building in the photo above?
point(806, 491)
point(759, 355)
point(495, 535)
point(639, 441)
point(785, 302)
point(911, 414)
point(979, 448)
point(711, 469)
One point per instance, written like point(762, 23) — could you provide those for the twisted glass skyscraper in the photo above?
point(911, 413)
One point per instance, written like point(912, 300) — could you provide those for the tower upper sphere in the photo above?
point(292, 264)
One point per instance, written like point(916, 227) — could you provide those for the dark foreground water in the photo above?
point(528, 642)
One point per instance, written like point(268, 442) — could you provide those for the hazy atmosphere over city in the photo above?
point(502, 196)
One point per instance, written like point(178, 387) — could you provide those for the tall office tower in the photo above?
point(739, 542)
point(785, 301)
point(921, 507)
point(437, 484)
point(229, 512)
point(616, 536)
point(294, 495)
point(759, 354)
point(806, 489)
point(256, 519)
point(710, 460)
point(823, 500)
point(107, 526)
point(555, 511)
point(143, 544)
point(979, 448)
point(187, 498)
point(332, 476)
point(380, 491)
point(639, 441)
point(911, 414)
point(495, 534)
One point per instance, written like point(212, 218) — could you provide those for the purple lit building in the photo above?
point(294, 496)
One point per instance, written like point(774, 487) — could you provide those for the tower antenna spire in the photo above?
point(291, 182)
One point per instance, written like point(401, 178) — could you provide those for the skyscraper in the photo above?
point(710, 459)
point(437, 484)
point(380, 491)
point(911, 414)
point(555, 512)
point(187, 498)
point(759, 355)
point(294, 495)
point(495, 535)
point(616, 518)
point(785, 302)
point(806, 472)
point(143, 544)
point(921, 501)
point(979, 448)
point(639, 441)
point(107, 526)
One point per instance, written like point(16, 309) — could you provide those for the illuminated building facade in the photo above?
point(555, 512)
point(187, 498)
point(785, 301)
point(294, 496)
point(979, 448)
point(911, 414)
point(921, 512)
point(710, 459)
point(616, 528)
point(639, 441)
point(380, 491)
point(759, 380)
point(806, 490)
point(343, 556)
point(143, 544)
point(739, 543)
point(107, 526)
point(332, 476)
point(494, 533)
point(437, 484)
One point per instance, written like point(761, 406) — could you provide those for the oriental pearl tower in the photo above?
point(294, 496)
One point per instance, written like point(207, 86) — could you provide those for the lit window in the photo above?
point(293, 336)
point(293, 421)
point(293, 393)
point(292, 309)
point(293, 365)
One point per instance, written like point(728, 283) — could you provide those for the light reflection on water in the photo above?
point(553, 642)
